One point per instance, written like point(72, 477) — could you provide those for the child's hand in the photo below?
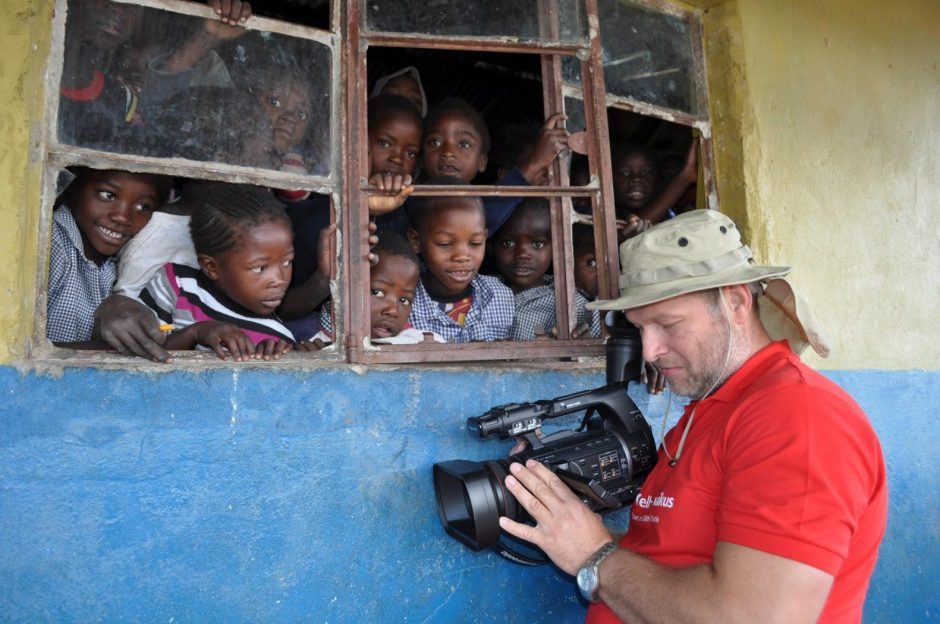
point(129, 327)
point(312, 345)
point(655, 381)
point(583, 330)
point(326, 250)
point(271, 349)
point(373, 241)
point(395, 190)
point(630, 227)
point(232, 15)
point(220, 336)
point(552, 141)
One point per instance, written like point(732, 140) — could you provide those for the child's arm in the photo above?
point(659, 206)
point(551, 142)
point(304, 298)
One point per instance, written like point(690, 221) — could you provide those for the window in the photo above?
point(181, 94)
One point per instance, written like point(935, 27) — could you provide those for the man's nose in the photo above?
point(654, 347)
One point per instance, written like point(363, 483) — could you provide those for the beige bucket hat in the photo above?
point(700, 250)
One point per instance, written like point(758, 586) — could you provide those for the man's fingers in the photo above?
point(517, 529)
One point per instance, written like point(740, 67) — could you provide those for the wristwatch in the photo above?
point(587, 575)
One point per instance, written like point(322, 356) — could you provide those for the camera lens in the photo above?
point(467, 502)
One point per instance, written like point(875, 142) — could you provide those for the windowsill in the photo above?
point(49, 358)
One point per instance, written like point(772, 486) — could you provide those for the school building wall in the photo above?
point(301, 492)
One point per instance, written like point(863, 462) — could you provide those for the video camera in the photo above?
point(605, 461)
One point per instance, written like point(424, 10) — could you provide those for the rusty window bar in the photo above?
point(464, 190)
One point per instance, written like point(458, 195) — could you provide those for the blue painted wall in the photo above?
point(257, 495)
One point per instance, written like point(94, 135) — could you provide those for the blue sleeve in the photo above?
point(499, 209)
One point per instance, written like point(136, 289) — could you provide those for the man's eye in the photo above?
point(377, 293)
point(383, 142)
point(411, 154)
point(465, 144)
point(434, 142)
point(288, 263)
point(477, 243)
point(443, 245)
point(105, 195)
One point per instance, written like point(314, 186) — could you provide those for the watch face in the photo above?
point(587, 582)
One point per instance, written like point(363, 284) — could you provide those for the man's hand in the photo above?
point(566, 530)
point(395, 189)
point(129, 327)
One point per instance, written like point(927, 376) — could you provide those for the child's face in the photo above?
point(585, 271)
point(522, 249)
point(636, 176)
point(110, 207)
point(406, 87)
point(452, 242)
point(289, 108)
point(393, 282)
point(394, 144)
point(256, 273)
point(454, 148)
point(107, 25)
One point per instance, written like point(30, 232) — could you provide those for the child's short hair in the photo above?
point(537, 205)
point(582, 237)
point(386, 104)
point(420, 208)
point(461, 106)
point(622, 150)
point(221, 212)
point(394, 244)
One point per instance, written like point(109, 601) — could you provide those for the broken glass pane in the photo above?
point(523, 20)
point(143, 81)
point(647, 56)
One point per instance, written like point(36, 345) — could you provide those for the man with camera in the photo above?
point(769, 498)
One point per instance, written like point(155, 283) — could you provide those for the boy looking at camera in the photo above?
point(522, 253)
point(453, 300)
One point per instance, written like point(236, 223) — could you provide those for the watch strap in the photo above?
point(592, 564)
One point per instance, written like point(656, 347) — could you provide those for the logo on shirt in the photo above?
point(645, 502)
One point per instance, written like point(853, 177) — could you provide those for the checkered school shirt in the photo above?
point(535, 307)
point(489, 318)
point(76, 284)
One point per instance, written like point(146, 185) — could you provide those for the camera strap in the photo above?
point(506, 552)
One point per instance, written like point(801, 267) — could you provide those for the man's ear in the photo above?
point(739, 300)
point(414, 239)
point(209, 266)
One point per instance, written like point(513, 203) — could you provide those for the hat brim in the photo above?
point(638, 296)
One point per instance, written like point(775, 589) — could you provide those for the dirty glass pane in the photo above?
point(647, 56)
point(524, 20)
point(143, 81)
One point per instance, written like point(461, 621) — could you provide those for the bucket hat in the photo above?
point(700, 250)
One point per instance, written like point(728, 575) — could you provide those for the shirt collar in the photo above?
point(751, 371)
